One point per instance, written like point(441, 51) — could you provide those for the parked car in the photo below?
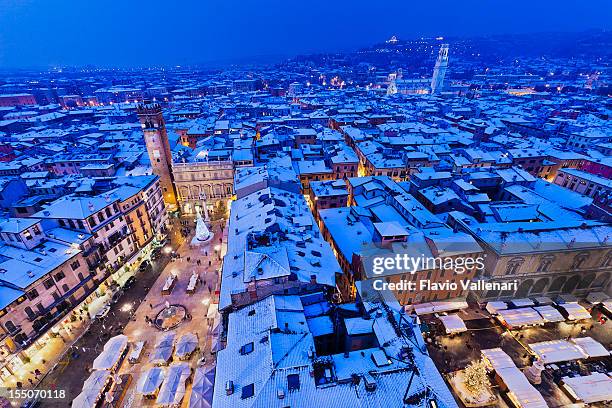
point(144, 266)
point(116, 296)
point(129, 282)
point(103, 312)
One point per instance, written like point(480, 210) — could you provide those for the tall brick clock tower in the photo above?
point(156, 138)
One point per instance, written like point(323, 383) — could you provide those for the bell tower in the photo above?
point(156, 139)
point(437, 80)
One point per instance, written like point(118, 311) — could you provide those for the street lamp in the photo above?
point(126, 307)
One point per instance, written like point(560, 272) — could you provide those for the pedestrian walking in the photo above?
point(150, 305)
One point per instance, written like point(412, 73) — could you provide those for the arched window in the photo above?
point(545, 263)
point(10, 326)
point(514, 265)
point(579, 260)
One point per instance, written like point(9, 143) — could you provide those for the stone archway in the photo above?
point(505, 294)
point(540, 285)
point(600, 280)
point(492, 294)
point(571, 284)
point(586, 281)
point(523, 289)
point(557, 284)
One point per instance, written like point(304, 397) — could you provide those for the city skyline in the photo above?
point(44, 34)
point(420, 217)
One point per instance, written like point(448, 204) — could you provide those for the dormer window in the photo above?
point(247, 349)
point(248, 391)
point(293, 382)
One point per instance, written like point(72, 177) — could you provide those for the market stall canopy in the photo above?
point(186, 345)
point(92, 389)
point(163, 349)
point(549, 314)
point(525, 316)
point(150, 380)
point(439, 307)
point(590, 389)
point(111, 354)
point(172, 390)
point(453, 324)
point(575, 312)
point(556, 351)
point(202, 389)
point(495, 307)
point(520, 391)
point(590, 347)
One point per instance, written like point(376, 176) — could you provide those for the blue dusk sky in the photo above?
point(44, 33)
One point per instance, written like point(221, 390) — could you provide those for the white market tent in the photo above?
point(202, 389)
point(494, 307)
point(556, 351)
point(549, 314)
point(93, 388)
point(521, 302)
point(597, 297)
point(514, 318)
point(439, 307)
point(575, 312)
point(590, 347)
point(111, 354)
point(589, 389)
point(542, 300)
point(163, 349)
point(216, 332)
point(150, 380)
point(497, 358)
point(137, 349)
point(85, 400)
point(520, 391)
point(172, 390)
point(186, 345)
point(453, 324)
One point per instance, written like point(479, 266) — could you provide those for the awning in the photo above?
point(575, 312)
point(589, 389)
point(172, 390)
point(163, 349)
point(439, 307)
point(453, 324)
point(92, 389)
point(150, 381)
point(525, 316)
point(186, 345)
point(202, 389)
point(556, 351)
point(549, 314)
point(111, 355)
point(590, 347)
